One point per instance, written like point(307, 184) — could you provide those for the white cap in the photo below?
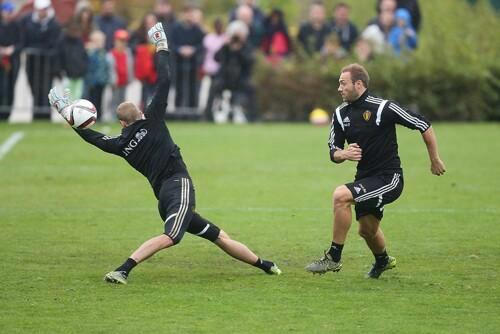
point(42, 4)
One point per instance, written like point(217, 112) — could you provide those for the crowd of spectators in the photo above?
point(96, 50)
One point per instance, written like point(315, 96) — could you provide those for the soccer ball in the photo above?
point(83, 114)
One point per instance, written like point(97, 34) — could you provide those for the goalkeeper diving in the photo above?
point(146, 144)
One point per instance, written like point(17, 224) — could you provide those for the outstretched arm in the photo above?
point(105, 143)
point(63, 105)
point(437, 165)
point(156, 109)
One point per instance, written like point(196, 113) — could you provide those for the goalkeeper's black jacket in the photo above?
point(146, 144)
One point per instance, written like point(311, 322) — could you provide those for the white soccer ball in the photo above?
point(83, 114)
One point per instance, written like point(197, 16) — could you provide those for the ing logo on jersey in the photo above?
point(367, 115)
point(139, 136)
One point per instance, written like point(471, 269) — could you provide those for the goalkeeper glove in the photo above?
point(61, 102)
point(157, 36)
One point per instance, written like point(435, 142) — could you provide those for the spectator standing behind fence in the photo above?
point(144, 58)
point(40, 34)
point(73, 59)
point(414, 9)
point(383, 6)
point(9, 58)
point(254, 18)
point(341, 24)
point(187, 38)
point(198, 19)
point(377, 33)
point(236, 60)
point(121, 65)
point(85, 20)
point(312, 34)
point(258, 15)
point(164, 13)
point(108, 22)
point(246, 14)
point(212, 43)
point(402, 36)
point(412, 6)
point(276, 43)
point(98, 70)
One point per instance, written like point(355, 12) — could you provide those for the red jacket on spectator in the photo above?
point(276, 43)
point(144, 63)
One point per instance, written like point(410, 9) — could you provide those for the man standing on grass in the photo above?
point(368, 124)
point(146, 144)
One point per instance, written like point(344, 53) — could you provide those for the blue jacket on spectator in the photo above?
point(98, 68)
point(402, 36)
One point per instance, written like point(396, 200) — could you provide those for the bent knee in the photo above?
point(167, 241)
point(223, 235)
point(342, 196)
point(366, 233)
point(222, 238)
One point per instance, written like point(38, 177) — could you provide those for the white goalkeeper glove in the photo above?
point(158, 37)
point(61, 103)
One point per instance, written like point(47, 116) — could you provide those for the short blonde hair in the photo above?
point(128, 112)
point(358, 72)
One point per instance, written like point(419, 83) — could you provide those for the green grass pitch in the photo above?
point(69, 213)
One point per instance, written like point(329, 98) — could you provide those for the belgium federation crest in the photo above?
point(367, 115)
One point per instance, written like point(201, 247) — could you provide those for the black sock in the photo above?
point(127, 266)
point(335, 251)
point(381, 259)
point(263, 264)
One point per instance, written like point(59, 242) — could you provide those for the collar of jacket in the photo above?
point(360, 99)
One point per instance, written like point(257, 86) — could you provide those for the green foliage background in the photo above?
point(454, 74)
